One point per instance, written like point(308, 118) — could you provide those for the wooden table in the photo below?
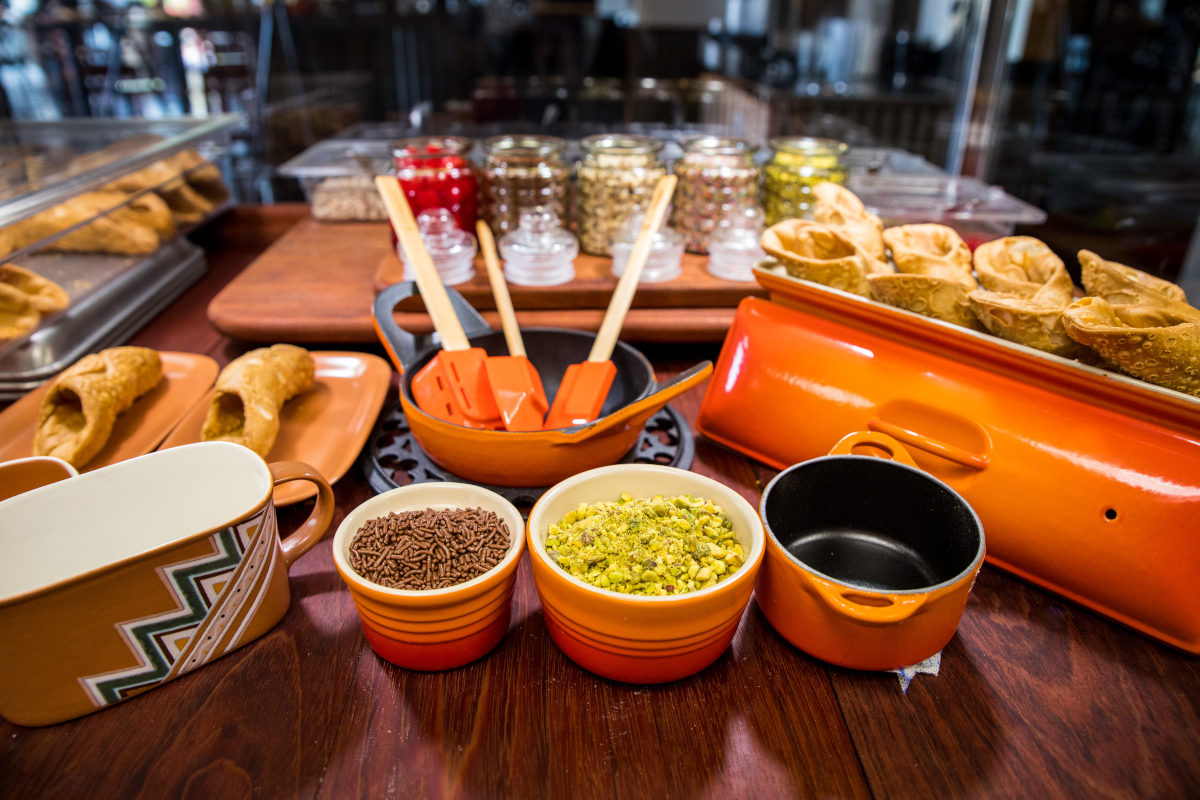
point(1035, 697)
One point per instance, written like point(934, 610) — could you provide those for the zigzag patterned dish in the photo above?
point(118, 580)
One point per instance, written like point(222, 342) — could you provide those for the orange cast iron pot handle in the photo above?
point(899, 607)
point(922, 442)
point(881, 445)
point(301, 540)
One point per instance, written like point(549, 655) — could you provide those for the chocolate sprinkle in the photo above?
point(429, 548)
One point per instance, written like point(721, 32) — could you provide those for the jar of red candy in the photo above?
point(434, 173)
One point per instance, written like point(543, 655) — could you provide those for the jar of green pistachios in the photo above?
point(798, 164)
point(717, 175)
point(616, 177)
point(522, 172)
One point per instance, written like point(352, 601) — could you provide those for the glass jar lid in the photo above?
point(808, 145)
point(431, 146)
point(720, 146)
point(622, 144)
point(441, 236)
point(665, 237)
point(540, 232)
point(524, 146)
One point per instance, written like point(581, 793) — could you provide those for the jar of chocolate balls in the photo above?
point(616, 177)
point(717, 175)
point(797, 165)
point(522, 172)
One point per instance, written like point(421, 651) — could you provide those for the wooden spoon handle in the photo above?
point(618, 306)
point(508, 317)
point(433, 292)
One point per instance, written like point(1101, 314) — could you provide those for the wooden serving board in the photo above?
point(318, 281)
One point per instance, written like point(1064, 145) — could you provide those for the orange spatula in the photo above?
point(516, 386)
point(585, 385)
point(454, 385)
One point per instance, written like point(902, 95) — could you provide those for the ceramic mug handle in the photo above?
point(301, 540)
point(880, 444)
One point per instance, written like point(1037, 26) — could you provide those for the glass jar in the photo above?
point(616, 177)
point(434, 173)
point(522, 172)
point(735, 245)
point(451, 249)
point(798, 164)
point(539, 252)
point(717, 175)
point(665, 261)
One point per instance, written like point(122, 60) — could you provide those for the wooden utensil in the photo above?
point(454, 385)
point(516, 386)
point(585, 385)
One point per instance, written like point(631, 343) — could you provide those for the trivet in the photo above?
point(393, 457)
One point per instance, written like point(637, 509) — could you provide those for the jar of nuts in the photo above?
point(797, 165)
point(616, 177)
point(717, 175)
point(522, 172)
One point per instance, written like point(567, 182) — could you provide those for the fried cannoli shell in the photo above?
point(1026, 266)
point(1018, 319)
point(78, 412)
point(1159, 345)
point(930, 249)
point(135, 228)
point(815, 252)
point(840, 209)
point(17, 314)
point(202, 175)
point(928, 295)
point(44, 294)
point(250, 392)
point(1122, 285)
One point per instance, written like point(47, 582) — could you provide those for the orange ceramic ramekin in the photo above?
point(433, 629)
point(640, 639)
point(869, 560)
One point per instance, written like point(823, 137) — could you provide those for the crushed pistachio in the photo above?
point(651, 546)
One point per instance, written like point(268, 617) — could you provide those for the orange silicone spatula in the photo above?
point(454, 385)
point(516, 386)
point(585, 385)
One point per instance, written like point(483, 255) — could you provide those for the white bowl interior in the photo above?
point(417, 496)
point(645, 480)
point(66, 529)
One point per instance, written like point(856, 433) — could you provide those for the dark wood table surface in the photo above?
point(1035, 696)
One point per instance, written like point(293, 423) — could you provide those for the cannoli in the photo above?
point(814, 252)
point(928, 295)
point(17, 314)
point(930, 249)
point(840, 209)
point(120, 226)
point(1157, 344)
point(1122, 285)
point(1025, 321)
point(189, 185)
point(1024, 266)
point(250, 392)
point(78, 412)
point(45, 295)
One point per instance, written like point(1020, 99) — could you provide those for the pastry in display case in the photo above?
point(92, 221)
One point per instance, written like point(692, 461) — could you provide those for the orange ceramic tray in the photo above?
point(325, 427)
point(1081, 497)
point(186, 377)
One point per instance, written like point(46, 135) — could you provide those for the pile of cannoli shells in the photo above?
point(1015, 288)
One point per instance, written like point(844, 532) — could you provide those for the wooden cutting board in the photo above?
point(317, 282)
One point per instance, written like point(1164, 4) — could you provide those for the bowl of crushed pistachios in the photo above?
point(643, 571)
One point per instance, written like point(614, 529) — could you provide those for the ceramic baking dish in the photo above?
point(1087, 483)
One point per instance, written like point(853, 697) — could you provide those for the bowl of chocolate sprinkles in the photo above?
point(431, 569)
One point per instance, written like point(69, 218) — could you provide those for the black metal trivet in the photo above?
point(393, 458)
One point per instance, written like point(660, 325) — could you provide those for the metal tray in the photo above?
point(118, 295)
